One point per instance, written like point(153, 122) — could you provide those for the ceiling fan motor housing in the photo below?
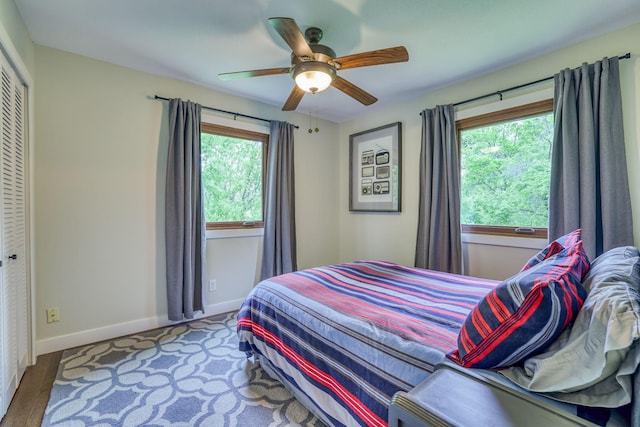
point(321, 53)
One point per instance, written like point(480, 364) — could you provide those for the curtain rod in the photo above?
point(500, 92)
point(226, 112)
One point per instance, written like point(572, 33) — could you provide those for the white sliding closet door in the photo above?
point(14, 306)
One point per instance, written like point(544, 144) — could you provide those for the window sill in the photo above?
point(506, 241)
point(235, 233)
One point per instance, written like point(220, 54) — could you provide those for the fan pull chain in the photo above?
point(315, 103)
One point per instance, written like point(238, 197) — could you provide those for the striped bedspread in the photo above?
point(344, 338)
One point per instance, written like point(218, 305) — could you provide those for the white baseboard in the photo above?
point(77, 339)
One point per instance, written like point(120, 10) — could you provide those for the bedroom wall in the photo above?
point(392, 236)
point(98, 172)
point(100, 156)
point(16, 31)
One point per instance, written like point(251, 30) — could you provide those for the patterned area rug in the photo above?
point(190, 374)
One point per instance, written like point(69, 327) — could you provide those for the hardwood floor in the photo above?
point(30, 401)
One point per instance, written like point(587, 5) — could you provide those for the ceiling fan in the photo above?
point(314, 66)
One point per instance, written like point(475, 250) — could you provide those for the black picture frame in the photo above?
point(375, 169)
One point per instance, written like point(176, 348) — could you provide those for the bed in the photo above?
point(345, 338)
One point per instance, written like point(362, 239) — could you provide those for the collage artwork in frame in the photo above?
point(375, 166)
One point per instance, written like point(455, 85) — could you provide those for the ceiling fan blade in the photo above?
point(353, 91)
point(294, 99)
point(290, 32)
point(374, 57)
point(254, 73)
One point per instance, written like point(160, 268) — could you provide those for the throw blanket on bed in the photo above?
point(344, 338)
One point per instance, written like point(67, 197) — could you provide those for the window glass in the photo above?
point(232, 176)
point(505, 170)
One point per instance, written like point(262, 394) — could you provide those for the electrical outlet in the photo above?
point(53, 315)
point(212, 285)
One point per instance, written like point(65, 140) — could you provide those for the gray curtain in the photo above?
point(184, 219)
point(279, 244)
point(439, 245)
point(589, 183)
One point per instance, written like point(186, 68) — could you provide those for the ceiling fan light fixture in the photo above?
point(313, 76)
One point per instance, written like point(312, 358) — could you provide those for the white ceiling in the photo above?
point(448, 40)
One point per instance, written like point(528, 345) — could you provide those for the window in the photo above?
point(233, 165)
point(505, 170)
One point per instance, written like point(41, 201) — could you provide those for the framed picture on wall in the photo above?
point(375, 169)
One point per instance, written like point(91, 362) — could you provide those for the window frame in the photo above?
point(492, 118)
point(216, 129)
